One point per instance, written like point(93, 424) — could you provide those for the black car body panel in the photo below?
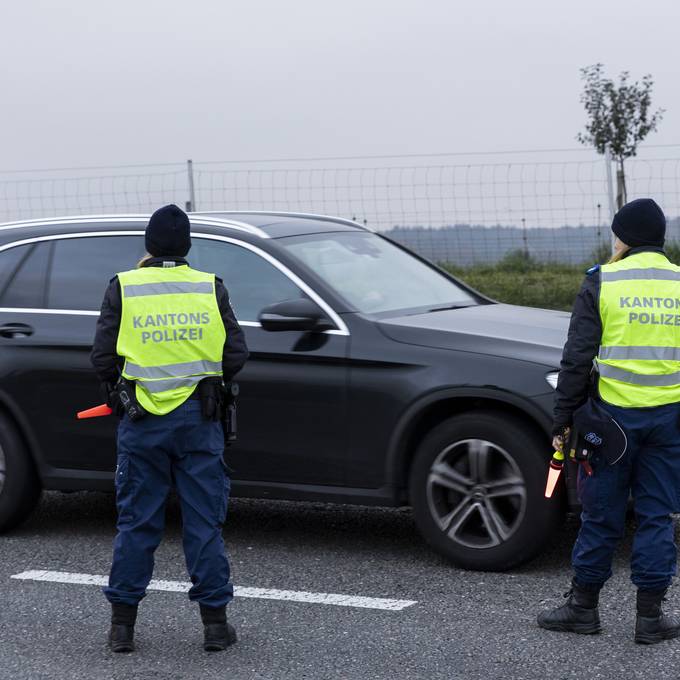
point(333, 415)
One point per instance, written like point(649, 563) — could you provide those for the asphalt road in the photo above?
point(464, 624)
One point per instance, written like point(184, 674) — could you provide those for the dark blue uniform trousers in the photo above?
point(650, 470)
point(155, 453)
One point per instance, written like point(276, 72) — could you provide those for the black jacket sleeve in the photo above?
point(104, 358)
point(583, 341)
point(235, 352)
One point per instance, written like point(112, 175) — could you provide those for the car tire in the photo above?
point(19, 484)
point(476, 487)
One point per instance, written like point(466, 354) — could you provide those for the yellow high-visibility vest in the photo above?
point(639, 356)
point(171, 333)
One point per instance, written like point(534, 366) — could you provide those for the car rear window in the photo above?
point(10, 260)
point(82, 267)
point(24, 284)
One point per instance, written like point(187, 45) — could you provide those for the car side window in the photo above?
point(253, 282)
point(22, 275)
point(82, 267)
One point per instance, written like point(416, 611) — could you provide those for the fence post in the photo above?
point(610, 189)
point(191, 203)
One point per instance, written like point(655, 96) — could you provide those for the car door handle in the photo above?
point(16, 330)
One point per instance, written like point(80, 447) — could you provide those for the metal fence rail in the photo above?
point(462, 208)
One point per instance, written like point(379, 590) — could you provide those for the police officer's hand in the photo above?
point(112, 398)
point(560, 436)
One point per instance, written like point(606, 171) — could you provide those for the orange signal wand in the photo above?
point(96, 412)
point(554, 471)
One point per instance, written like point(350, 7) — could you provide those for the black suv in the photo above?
point(374, 377)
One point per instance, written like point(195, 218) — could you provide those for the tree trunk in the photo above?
point(621, 194)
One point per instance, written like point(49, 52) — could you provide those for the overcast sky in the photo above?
point(90, 82)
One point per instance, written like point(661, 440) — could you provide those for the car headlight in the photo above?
point(552, 379)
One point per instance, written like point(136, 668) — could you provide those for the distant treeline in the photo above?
point(465, 244)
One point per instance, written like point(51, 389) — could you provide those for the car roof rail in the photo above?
point(277, 213)
point(81, 219)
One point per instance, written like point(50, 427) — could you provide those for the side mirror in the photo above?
point(294, 315)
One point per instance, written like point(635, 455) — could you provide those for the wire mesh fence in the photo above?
point(461, 208)
point(79, 191)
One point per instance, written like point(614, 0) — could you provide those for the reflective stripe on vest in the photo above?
point(172, 370)
point(639, 357)
point(171, 333)
point(665, 380)
point(167, 288)
point(158, 386)
point(639, 274)
point(643, 353)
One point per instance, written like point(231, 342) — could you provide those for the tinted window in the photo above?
point(253, 283)
point(9, 263)
point(25, 285)
point(82, 267)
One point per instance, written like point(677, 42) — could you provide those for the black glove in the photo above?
point(112, 398)
point(560, 430)
point(561, 434)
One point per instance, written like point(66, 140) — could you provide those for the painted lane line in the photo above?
point(239, 591)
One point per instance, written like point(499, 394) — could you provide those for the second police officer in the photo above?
point(627, 319)
point(168, 332)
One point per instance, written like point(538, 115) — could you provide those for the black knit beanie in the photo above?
point(168, 232)
point(640, 223)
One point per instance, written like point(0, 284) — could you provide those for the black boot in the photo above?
point(121, 636)
point(651, 624)
point(218, 634)
point(579, 614)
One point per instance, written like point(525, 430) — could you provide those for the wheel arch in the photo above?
point(436, 407)
point(10, 410)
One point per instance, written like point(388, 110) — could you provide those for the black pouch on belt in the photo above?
point(127, 399)
point(210, 394)
point(230, 392)
point(599, 432)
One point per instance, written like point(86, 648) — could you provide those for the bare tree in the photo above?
point(619, 117)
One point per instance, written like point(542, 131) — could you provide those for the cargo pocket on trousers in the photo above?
point(122, 472)
point(594, 491)
point(676, 480)
point(226, 488)
point(124, 489)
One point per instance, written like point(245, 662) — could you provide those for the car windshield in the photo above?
point(373, 275)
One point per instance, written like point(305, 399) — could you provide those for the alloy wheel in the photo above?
point(476, 493)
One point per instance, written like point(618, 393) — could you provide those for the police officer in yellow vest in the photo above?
point(627, 319)
point(168, 336)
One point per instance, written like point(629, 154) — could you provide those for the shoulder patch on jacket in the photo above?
point(593, 269)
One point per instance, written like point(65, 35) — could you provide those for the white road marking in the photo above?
point(239, 591)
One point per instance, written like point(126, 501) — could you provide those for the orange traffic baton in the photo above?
point(96, 412)
point(554, 471)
